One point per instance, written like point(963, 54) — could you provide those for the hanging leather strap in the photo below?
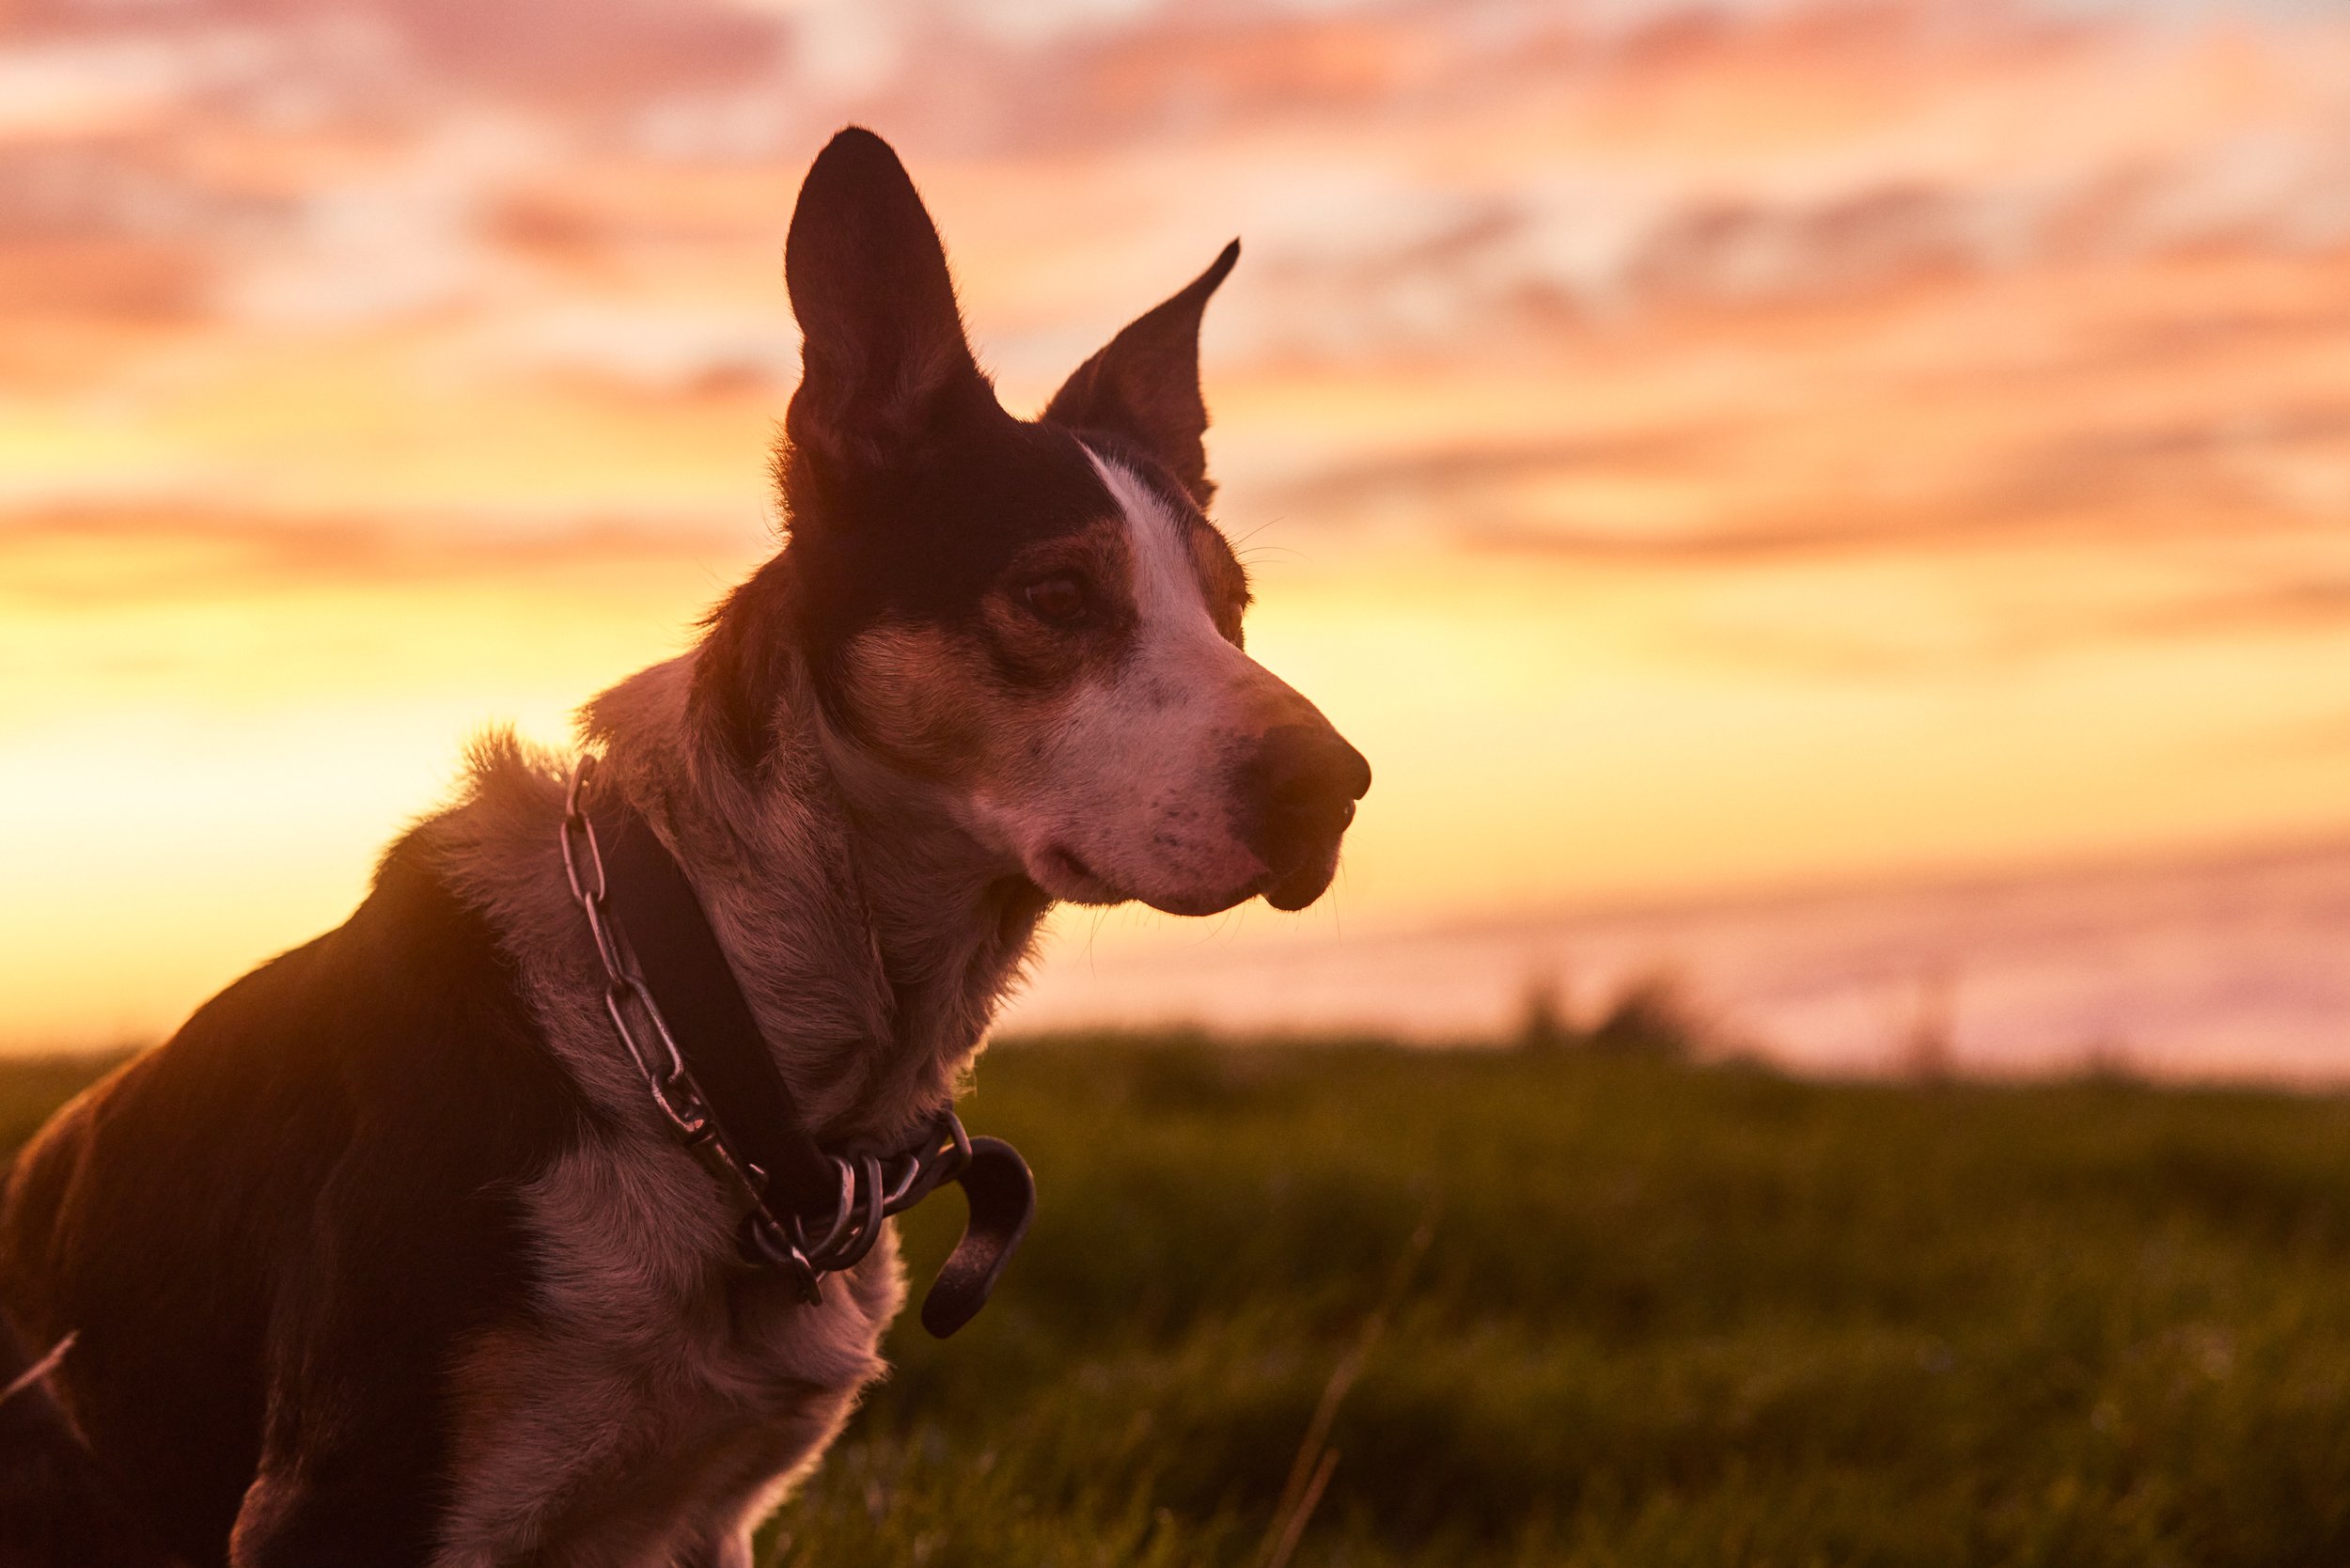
point(1003, 1200)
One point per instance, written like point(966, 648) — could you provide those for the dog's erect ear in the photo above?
point(1144, 387)
point(883, 352)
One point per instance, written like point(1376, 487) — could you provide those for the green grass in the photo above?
point(1663, 1315)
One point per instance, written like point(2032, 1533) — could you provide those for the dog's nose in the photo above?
point(1312, 768)
point(1303, 782)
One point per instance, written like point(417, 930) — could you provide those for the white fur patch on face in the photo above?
point(1137, 795)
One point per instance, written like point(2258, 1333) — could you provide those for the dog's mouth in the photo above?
point(1310, 877)
point(1308, 881)
point(1066, 877)
point(1062, 872)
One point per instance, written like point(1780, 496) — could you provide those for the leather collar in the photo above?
point(682, 1016)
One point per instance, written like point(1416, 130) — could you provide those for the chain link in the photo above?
point(647, 1041)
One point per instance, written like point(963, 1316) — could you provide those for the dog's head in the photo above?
point(1032, 620)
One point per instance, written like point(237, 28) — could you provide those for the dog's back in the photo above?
point(53, 1506)
point(299, 1197)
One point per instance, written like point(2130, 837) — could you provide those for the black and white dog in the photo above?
point(387, 1257)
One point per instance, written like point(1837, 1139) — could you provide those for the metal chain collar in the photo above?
point(873, 1186)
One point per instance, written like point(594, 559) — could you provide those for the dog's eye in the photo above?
point(1060, 598)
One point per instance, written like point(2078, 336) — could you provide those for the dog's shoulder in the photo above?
point(402, 1034)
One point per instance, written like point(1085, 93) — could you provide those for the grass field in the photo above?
point(1573, 1307)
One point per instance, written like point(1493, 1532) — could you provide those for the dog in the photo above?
point(387, 1257)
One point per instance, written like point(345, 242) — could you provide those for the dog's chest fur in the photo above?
point(659, 1400)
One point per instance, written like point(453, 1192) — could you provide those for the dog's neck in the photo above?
point(872, 937)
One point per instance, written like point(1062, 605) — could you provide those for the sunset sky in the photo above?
point(1691, 449)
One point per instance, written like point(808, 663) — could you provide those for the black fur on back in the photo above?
point(278, 1229)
